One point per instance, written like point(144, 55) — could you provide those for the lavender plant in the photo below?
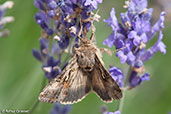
point(6, 19)
point(132, 35)
point(60, 24)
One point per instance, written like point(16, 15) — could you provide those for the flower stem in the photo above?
point(122, 103)
point(34, 106)
point(126, 80)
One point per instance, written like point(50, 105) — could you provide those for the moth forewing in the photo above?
point(71, 86)
point(103, 84)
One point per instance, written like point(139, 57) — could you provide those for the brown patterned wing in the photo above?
point(103, 84)
point(70, 87)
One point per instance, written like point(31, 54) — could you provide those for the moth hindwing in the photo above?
point(85, 72)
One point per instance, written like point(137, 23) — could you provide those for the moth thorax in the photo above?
point(86, 61)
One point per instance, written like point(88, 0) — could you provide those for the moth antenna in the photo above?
point(93, 37)
point(80, 31)
point(95, 16)
point(93, 28)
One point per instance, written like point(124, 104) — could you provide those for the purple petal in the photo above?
point(158, 26)
point(119, 43)
point(160, 22)
point(122, 56)
point(110, 40)
point(138, 64)
point(132, 34)
point(136, 39)
point(144, 38)
point(131, 56)
point(138, 5)
point(52, 5)
point(134, 80)
point(64, 42)
point(117, 112)
point(112, 20)
point(51, 13)
point(44, 44)
point(66, 109)
point(99, 1)
point(37, 54)
point(117, 75)
point(145, 77)
point(39, 4)
point(59, 109)
point(158, 46)
point(94, 3)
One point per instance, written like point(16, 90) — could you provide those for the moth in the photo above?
point(85, 72)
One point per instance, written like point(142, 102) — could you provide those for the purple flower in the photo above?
point(39, 4)
point(117, 112)
point(112, 21)
point(158, 46)
point(37, 55)
point(132, 35)
point(136, 80)
point(51, 67)
point(64, 42)
point(104, 111)
point(59, 109)
point(52, 5)
point(44, 44)
point(117, 75)
point(94, 3)
point(42, 20)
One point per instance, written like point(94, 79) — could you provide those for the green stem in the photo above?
point(126, 80)
point(37, 101)
point(34, 106)
point(122, 103)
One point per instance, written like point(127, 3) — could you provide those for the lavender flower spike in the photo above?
point(7, 19)
point(59, 20)
point(133, 34)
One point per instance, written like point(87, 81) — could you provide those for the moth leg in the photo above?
point(93, 37)
point(108, 51)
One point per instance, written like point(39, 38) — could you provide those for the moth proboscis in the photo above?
point(85, 72)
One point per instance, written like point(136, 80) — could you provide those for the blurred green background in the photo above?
point(21, 74)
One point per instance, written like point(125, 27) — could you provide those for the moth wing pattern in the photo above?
point(70, 87)
point(103, 84)
point(78, 87)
